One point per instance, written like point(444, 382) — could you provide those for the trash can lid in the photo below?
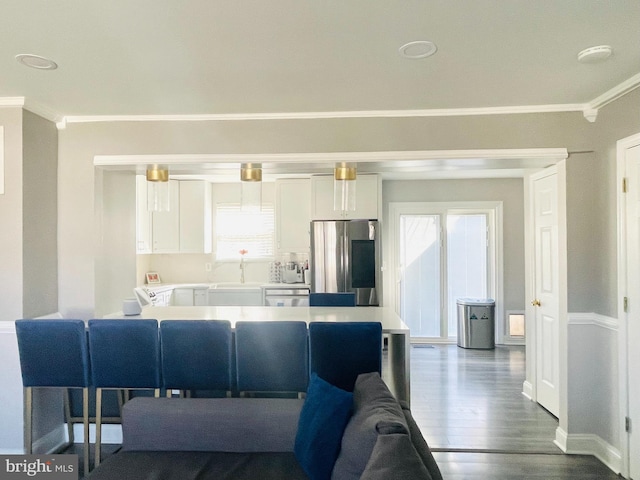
point(476, 301)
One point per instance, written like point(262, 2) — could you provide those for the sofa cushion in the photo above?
point(324, 415)
point(394, 456)
point(210, 424)
point(420, 444)
point(199, 466)
point(376, 412)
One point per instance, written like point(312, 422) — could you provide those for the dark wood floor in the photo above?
point(470, 409)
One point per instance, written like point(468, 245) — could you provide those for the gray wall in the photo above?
point(40, 215)
point(28, 255)
point(11, 274)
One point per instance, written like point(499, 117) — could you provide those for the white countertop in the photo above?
point(224, 285)
point(391, 322)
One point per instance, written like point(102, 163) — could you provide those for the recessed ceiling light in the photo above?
point(595, 54)
point(418, 49)
point(36, 61)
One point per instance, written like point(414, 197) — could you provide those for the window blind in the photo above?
point(244, 230)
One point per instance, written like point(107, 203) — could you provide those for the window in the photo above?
point(237, 230)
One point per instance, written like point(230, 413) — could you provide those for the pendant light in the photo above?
point(251, 187)
point(344, 187)
point(158, 189)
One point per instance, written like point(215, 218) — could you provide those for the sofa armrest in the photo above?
point(420, 443)
point(210, 424)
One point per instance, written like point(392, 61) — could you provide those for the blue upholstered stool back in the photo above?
point(339, 352)
point(125, 353)
point(341, 299)
point(53, 353)
point(196, 354)
point(272, 356)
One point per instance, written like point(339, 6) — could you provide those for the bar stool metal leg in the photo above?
point(98, 426)
point(28, 420)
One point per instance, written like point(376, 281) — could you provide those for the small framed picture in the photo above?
point(153, 277)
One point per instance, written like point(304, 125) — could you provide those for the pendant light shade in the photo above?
point(251, 172)
point(344, 187)
point(251, 187)
point(158, 189)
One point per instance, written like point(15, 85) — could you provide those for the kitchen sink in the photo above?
point(236, 285)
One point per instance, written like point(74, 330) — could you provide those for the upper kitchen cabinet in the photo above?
point(293, 215)
point(195, 217)
point(185, 228)
point(368, 190)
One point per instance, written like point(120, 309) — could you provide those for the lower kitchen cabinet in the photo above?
point(235, 296)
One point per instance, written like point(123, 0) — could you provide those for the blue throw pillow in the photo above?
point(323, 418)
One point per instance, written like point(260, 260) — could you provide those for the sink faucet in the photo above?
point(243, 252)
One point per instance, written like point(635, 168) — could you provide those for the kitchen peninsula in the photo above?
point(397, 331)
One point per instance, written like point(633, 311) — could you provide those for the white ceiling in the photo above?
point(213, 57)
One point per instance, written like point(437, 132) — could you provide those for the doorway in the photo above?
point(444, 251)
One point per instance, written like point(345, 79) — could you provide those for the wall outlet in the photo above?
point(207, 267)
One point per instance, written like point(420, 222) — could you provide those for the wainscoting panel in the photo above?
point(593, 389)
point(11, 393)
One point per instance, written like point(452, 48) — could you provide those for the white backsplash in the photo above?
point(192, 268)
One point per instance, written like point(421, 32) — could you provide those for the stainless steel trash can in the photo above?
point(476, 323)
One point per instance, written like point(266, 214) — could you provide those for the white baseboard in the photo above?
point(527, 390)
point(589, 444)
point(111, 433)
point(561, 439)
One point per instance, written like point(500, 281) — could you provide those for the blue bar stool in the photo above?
point(339, 352)
point(340, 299)
point(125, 355)
point(272, 356)
point(54, 353)
point(196, 355)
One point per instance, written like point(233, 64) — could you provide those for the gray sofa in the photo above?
point(251, 438)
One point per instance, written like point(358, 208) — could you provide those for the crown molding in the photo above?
point(553, 155)
point(12, 101)
point(591, 109)
point(443, 112)
point(31, 106)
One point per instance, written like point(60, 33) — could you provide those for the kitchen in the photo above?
point(240, 243)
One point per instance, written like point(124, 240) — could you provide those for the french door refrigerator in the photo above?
point(346, 257)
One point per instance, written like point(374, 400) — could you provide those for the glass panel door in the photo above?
point(420, 291)
point(467, 261)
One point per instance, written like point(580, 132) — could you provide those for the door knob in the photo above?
point(536, 303)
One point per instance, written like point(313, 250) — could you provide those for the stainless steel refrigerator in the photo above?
point(346, 257)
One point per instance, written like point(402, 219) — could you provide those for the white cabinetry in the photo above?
point(368, 189)
point(235, 296)
point(189, 296)
point(200, 297)
point(195, 217)
point(185, 228)
point(143, 217)
point(293, 214)
point(165, 226)
point(182, 297)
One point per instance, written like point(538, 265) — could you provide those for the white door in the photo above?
point(632, 222)
point(546, 290)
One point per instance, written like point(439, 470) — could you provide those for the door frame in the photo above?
point(529, 386)
point(622, 146)
point(497, 278)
